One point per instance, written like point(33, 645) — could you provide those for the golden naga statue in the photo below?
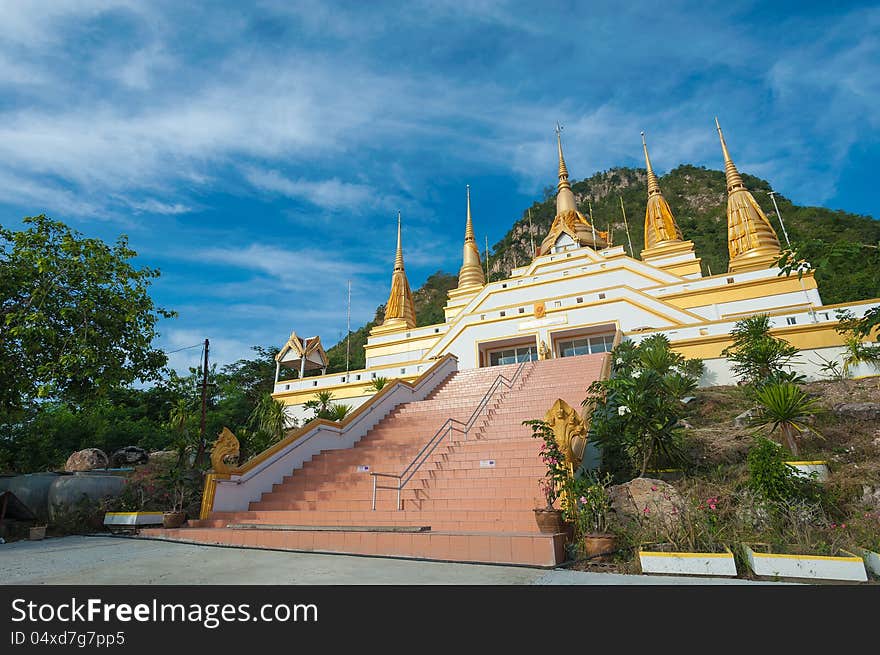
point(570, 432)
point(225, 446)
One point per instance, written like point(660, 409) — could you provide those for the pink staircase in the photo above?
point(471, 500)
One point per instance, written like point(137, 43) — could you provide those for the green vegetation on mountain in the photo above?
point(842, 247)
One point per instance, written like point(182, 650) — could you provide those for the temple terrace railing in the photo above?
point(449, 426)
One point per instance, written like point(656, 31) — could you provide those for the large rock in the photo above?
point(861, 411)
point(87, 460)
point(129, 456)
point(744, 419)
point(645, 498)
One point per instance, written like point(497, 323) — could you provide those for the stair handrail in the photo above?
point(450, 425)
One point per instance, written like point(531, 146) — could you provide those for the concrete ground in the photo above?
point(118, 560)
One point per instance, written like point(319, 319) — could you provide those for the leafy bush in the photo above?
point(636, 412)
point(769, 476)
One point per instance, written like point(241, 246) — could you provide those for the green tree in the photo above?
point(76, 318)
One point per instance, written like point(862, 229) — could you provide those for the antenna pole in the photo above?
point(592, 225)
point(531, 234)
point(772, 195)
point(487, 259)
point(348, 331)
point(626, 227)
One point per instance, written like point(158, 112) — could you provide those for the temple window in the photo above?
point(601, 296)
point(586, 345)
point(730, 280)
point(513, 355)
point(557, 303)
point(579, 299)
point(503, 313)
point(791, 320)
point(522, 310)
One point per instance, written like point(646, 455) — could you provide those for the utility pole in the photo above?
point(772, 195)
point(626, 227)
point(202, 445)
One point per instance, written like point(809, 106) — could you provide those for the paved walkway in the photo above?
point(116, 560)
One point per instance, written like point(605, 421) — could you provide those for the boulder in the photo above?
point(129, 456)
point(87, 460)
point(645, 498)
point(860, 411)
point(744, 419)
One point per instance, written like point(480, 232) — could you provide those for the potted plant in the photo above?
point(549, 518)
point(176, 480)
point(586, 505)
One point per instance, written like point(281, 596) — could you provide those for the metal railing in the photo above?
point(449, 426)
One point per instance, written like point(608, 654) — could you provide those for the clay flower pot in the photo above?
point(599, 546)
point(173, 519)
point(549, 520)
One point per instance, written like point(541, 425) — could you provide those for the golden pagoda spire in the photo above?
point(471, 273)
point(660, 225)
point(400, 308)
point(564, 195)
point(751, 240)
point(569, 221)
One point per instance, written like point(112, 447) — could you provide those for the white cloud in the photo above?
point(332, 194)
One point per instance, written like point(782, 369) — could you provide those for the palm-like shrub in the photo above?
point(755, 354)
point(856, 352)
point(377, 384)
point(784, 408)
point(269, 418)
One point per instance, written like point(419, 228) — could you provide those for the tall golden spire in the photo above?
point(660, 225)
point(564, 195)
point(569, 220)
point(471, 273)
point(400, 309)
point(751, 240)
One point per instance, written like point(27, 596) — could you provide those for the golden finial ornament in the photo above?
point(400, 308)
point(568, 219)
point(751, 240)
point(564, 195)
point(660, 225)
point(471, 273)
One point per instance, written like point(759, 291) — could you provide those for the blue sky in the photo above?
point(257, 153)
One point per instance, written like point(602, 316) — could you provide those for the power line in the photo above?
point(171, 352)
